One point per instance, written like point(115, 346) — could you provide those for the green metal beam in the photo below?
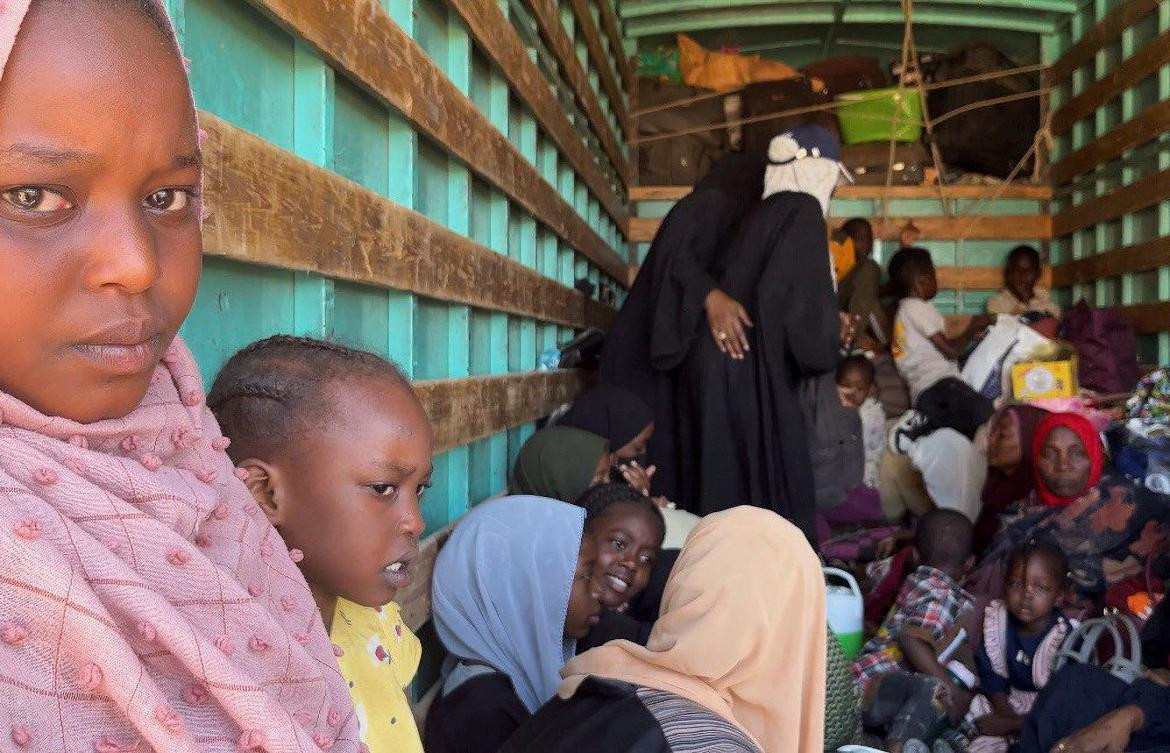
point(642, 8)
point(778, 14)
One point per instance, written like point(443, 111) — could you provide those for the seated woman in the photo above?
point(617, 415)
point(1021, 294)
point(736, 662)
point(512, 594)
point(1010, 474)
point(1085, 709)
point(625, 421)
point(1105, 524)
point(561, 462)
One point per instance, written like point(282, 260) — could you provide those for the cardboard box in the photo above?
point(1041, 380)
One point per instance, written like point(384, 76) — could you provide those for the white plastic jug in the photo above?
point(846, 611)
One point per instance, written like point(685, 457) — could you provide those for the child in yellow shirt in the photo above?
point(336, 449)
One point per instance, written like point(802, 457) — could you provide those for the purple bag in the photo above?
point(1106, 348)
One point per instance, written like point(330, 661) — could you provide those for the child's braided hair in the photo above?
point(597, 501)
point(278, 385)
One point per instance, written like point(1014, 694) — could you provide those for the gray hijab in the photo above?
point(501, 590)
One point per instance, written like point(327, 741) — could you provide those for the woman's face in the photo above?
point(1064, 463)
point(1005, 450)
point(99, 210)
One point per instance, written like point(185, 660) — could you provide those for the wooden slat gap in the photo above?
point(1135, 197)
point(1101, 36)
point(1146, 126)
point(498, 39)
point(602, 63)
point(1140, 257)
point(547, 16)
point(359, 38)
point(1145, 62)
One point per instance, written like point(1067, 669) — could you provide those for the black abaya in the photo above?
point(740, 422)
point(664, 311)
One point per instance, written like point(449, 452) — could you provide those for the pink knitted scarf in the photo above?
point(146, 604)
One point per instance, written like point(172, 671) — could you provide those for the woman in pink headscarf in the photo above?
point(145, 604)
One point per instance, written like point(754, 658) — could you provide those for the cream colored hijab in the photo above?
point(742, 632)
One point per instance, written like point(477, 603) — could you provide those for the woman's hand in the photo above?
point(727, 320)
point(637, 476)
point(848, 328)
point(1109, 734)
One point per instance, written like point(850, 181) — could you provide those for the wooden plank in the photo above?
point(1145, 62)
point(1101, 36)
point(613, 30)
point(270, 207)
point(877, 193)
point(602, 64)
point(980, 278)
point(361, 39)
point(1023, 227)
point(464, 410)
point(548, 18)
point(498, 39)
point(1145, 127)
point(1148, 318)
point(1145, 193)
point(1140, 257)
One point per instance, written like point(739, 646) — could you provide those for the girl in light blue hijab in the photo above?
point(511, 595)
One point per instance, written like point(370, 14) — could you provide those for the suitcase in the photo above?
point(777, 96)
point(681, 160)
point(848, 73)
point(869, 163)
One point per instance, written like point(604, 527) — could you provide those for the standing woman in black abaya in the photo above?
point(674, 293)
point(739, 418)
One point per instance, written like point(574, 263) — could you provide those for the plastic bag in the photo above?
point(725, 70)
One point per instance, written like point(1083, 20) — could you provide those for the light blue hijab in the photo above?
point(501, 590)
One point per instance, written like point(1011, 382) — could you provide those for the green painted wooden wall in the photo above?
point(1143, 160)
point(256, 75)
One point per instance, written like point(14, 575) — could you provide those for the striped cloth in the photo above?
point(691, 728)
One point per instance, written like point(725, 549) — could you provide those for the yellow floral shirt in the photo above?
point(379, 659)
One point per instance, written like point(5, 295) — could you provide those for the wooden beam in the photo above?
point(547, 15)
point(980, 278)
point(270, 207)
point(497, 37)
point(1135, 197)
point(1148, 318)
point(1022, 227)
point(642, 8)
point(613, 30)
point(1140, 257)
point(1145, 62)
point(587, 28)
point(789, 14)
point(1145, 127)
point(1101, 36)
point(877, 193)
point(359, 38)
point(464, 410)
